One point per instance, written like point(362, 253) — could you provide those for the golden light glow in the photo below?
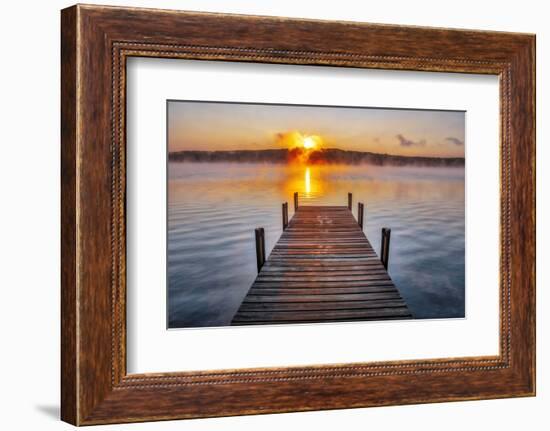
point(309, 143)
point(314, 182)
point(307, 180)
point(296, 139)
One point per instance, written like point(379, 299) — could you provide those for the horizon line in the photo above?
point(323, 149)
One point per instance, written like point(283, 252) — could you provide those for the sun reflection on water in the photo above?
point(307, 181)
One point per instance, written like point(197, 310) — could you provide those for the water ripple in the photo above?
point(214, 208)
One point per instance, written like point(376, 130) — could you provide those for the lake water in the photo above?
point(214, 208)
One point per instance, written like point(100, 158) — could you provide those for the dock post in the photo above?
point(285, 215)
point(295, 201)
point(360, 214)
point(260, 247)
point(385, 247)
point(350, 201)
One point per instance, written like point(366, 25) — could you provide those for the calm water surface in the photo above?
point(214, 208)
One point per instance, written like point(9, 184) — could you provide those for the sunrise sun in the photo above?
point(309, 143)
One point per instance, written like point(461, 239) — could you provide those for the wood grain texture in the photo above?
point(96, 41)
point(322, 269)
point(69, 395)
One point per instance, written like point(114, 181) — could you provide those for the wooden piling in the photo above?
point(385, 247)
point(285, 215)
point(260, 247)
point(295, 201)
point(360, 214)
point(350, 201)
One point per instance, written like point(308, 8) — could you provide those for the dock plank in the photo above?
point(322, 269)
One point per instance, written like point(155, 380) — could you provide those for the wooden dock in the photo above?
point(322, 269)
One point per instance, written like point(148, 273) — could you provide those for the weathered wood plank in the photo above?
point(320, 291)
point(322, 298)
point(301, 272)
point(318, 306)
point(253, 316)
point(337, 279)
point(314, 284)
point(321, 268)
point(318, 263)
point(323, 255)
point(325, 320)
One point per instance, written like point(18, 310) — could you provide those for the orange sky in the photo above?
point(239, 126)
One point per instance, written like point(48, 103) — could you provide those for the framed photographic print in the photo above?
point(230, 162)
point(322, 214)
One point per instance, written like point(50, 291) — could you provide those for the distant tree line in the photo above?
point(324, 156)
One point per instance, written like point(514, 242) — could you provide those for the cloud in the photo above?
point(404, 142)
point(454, 140)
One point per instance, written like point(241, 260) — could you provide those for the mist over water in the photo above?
point(213, 209)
